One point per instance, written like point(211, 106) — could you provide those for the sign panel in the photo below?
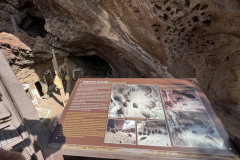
point(141, 117)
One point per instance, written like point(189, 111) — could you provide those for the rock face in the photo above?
point(144, 38)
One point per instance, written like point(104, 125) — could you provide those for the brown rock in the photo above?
point(145, 38)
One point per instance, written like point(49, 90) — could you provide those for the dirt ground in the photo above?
point(54, 105)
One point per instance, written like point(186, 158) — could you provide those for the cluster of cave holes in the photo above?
point(33, 26)
point(179, 28)
point(210, 42)
point(152, 131)
point(115, 130)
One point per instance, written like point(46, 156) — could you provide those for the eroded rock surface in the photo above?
point(144, 38)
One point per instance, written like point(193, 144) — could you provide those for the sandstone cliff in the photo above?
point(138, 38)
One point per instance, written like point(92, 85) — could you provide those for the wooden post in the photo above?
point(58, 80)
point(67, 78)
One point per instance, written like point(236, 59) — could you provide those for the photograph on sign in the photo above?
point(120, 131)
point(181, 100)
point(153, 133)
point(193, 129)
point(136, 101)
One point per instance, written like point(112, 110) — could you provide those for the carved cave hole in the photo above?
point(95, 66)
point(34, 26)
point(195, 19)
point(39, 88)
point(226, 59)
point(196, 7)
point(165, 17)
point(168, 9)
point(205, 6)
point(207, 23)
point(157, 6)
point(187, 3)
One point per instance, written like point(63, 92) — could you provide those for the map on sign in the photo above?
point(151, 114)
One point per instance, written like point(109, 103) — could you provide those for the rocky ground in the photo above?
point(145, 38)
